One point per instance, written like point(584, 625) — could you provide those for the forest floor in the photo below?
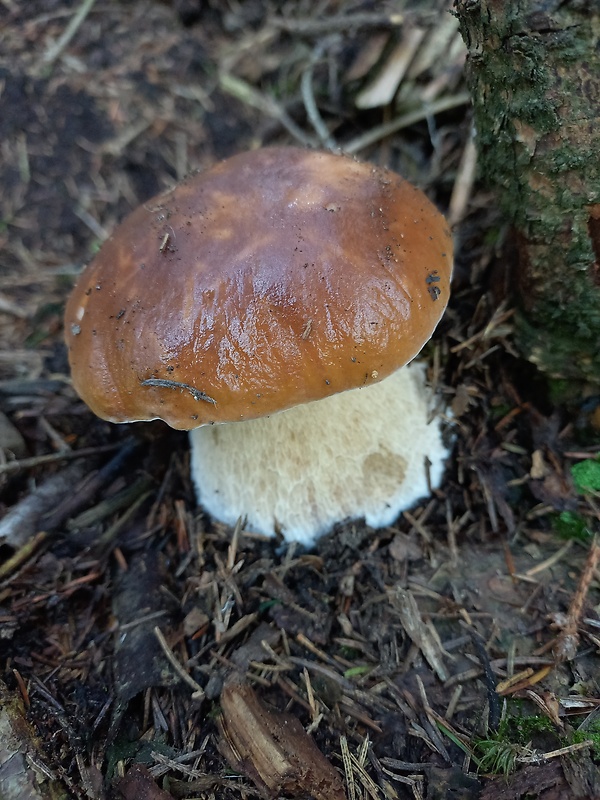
point(451, 655)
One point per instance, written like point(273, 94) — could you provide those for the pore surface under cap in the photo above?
point(357, 454)
point(277, 277)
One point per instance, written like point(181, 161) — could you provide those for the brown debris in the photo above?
point(582, 774)
point(545, 782)
point(24, 773)
point(138, 784)
point(421, 632)
point(272, 748)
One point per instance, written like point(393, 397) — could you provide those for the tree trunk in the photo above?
point(534, 73)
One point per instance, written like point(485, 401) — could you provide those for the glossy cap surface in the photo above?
point(277, 277)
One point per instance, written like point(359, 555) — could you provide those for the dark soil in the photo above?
point(401, 649)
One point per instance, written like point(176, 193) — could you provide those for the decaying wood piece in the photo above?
point(23, 520)
point(138, 606)
point(61, 495)
point(272, 748)
point(23, 774)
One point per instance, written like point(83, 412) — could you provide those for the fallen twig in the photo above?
point(374, 135)
point(198, 690)
point(308, 97)
point(565, 647)
point(54, 51)
point(65, 455)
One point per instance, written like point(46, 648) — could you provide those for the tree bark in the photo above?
point(534, 74)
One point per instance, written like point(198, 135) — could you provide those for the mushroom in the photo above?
point(270, 305)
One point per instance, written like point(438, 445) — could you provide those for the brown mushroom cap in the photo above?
point(277, 277)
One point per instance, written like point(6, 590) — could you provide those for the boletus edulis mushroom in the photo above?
point(269, 305)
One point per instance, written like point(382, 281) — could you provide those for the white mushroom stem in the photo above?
point(369, 452)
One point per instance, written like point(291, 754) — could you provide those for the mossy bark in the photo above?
point(534, 73)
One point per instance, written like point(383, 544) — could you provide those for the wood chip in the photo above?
point(272, 748)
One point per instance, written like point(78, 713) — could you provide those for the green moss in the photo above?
point(586, 475)
point(521, 735)
point(500, 753)
point(517, 734)
point(522, 729)
point(497, 757)
point(353, 672)
point(569, 525)
point(590, 734)
point(563, 351)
